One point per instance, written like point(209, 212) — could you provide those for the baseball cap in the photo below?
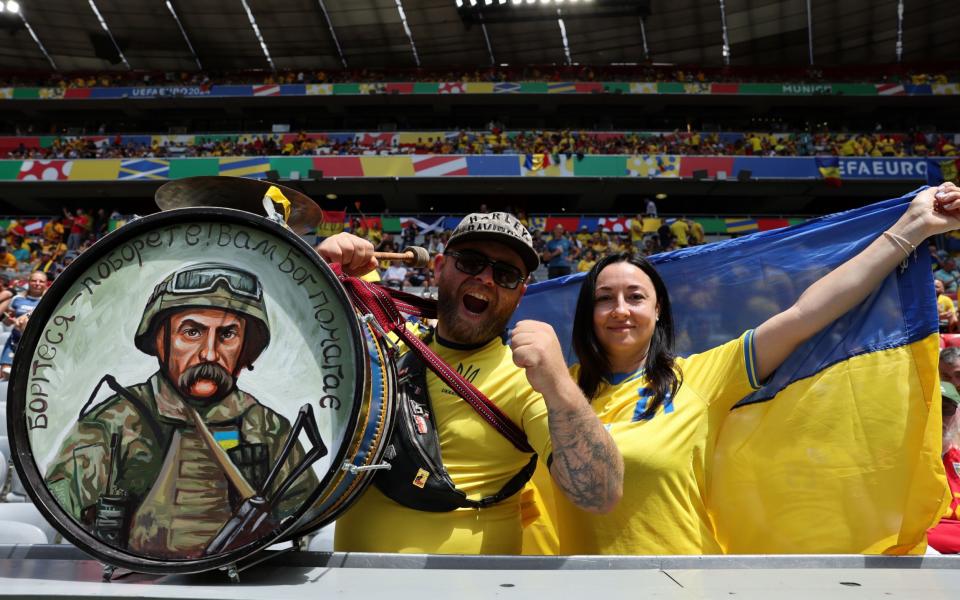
point(949, 392)
point(498, 227)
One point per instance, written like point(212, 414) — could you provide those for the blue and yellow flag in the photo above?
point(829, 168)
point(839, 452)
point(940, 170)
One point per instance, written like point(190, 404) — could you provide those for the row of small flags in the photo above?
point(338, 221)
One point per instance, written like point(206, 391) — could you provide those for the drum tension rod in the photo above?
point(353, 469)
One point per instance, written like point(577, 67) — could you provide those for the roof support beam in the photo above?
point(333, 34)
point(810, 30)
point(33, 34)
point(725, 49)
point(256, 31)
point(899, 31)
point(483, 28)
point(563, 37)
point(406, 29)
point(103, 23)
point(643, 36)
point(183, 31)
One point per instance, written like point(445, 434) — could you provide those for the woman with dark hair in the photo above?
point(665, 412)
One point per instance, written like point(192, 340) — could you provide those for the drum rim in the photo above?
point(21, 449)
point(356, 484)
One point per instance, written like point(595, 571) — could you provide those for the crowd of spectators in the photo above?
point(585, 73)
point(646, 234)
point(555, 143)
point(32, 254)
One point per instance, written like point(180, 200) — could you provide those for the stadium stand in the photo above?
point(397, 151)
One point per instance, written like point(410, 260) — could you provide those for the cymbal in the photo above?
point(240, 193)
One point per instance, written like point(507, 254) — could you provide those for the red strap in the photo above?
point(386, 306)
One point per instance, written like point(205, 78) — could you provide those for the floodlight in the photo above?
point(13, 6)
point(3, 7)
point(488, 2)
point(459, 3)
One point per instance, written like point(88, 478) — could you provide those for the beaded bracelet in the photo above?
point(901, 242)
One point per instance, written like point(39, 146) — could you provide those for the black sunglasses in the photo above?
point(472, 263)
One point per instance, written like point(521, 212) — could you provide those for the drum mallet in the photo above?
point(412, 256)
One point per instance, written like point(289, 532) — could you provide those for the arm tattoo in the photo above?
point(586, 463)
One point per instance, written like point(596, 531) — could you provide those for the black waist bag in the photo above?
point(417, 478)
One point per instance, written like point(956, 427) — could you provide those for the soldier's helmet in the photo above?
point(208, 285)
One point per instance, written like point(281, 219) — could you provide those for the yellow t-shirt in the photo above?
point(696, 232)
point(680, 230)
point(636, 230)
point(585, 265)
point(477, 457)
point(668, 459)
point(944, 304)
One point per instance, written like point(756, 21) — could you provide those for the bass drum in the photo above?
point(193, 388)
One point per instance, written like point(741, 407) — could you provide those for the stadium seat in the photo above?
point(24, 512)
point(950, 339)
point(17, 492)
point(13, 532)
point(323, 540)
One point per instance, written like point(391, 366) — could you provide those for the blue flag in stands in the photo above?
point(839, 451)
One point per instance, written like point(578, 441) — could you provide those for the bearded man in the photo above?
point(146, 469)
point(481, 277)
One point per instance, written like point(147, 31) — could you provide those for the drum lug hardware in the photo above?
point(107, 574)
point(232, 573)
point(353, 469)
point(372, 321)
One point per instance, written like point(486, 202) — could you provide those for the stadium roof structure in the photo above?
point(213, 35)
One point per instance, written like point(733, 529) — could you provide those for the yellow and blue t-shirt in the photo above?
point(477, 457)
point(668, 457)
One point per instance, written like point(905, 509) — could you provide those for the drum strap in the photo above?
point(386, 306)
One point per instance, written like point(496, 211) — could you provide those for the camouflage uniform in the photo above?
point(177, 497)
point(167, 496)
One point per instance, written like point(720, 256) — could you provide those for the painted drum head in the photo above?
point(188, 389)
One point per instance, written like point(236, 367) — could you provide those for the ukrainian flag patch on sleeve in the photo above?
point(227, 439)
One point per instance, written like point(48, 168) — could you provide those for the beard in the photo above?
point(210, 372)
point(496, 315)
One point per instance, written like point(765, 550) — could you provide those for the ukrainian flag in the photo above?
point(829, 168)
point(839, 451)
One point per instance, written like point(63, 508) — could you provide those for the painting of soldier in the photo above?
point(161, 468)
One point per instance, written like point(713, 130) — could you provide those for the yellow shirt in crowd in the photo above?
point(478, 458)
point(944, 304)
point(585, 265)
point(636, 230)
point(668, 459)
point(680, 231)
